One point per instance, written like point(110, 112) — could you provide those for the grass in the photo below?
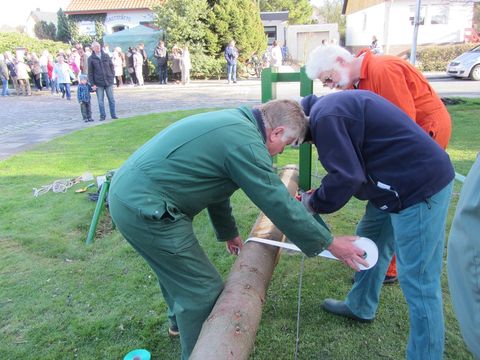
point(61, 299)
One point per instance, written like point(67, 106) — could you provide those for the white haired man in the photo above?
point(390, 77)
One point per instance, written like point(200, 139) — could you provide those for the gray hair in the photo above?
point(323, 58)
point(286, 113)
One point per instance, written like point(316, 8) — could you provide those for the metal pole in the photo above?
point(98, 211)
point(416, 24)
point(305, 157)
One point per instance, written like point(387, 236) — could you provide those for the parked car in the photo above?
point(466, 65)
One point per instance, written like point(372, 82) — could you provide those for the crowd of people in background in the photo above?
point(26, 71)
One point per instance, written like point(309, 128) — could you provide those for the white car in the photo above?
point(466, 65)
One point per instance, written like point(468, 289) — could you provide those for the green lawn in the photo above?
point(61, 299)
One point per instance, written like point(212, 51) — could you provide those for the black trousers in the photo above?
point(86, 109)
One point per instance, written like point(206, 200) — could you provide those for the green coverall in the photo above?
point(194, 164)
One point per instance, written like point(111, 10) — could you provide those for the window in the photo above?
point(118, 28)
point(413, 10)
point(271, 32)
point(438, 14)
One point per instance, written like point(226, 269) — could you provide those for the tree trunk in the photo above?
point(229, 332)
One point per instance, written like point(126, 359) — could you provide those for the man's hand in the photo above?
point(94, 87)
point(234, 245)
point(304, 198)
point(342, 247)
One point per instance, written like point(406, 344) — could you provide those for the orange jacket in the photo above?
point(402, 84)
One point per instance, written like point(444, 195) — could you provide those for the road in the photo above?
point(27, 121)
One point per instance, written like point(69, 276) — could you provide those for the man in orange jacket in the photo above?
point(390, 77)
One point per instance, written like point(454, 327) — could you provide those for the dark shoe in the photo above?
point(90, 120)
point(86, 120)
point(63, 95)
point(234, 81)
point(114, 117)
point(102, 119)
point(173, 331)
point(339, 308)
point(390, 280)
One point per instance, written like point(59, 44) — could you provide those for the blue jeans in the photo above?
point(417, 236)
point(54, 87)
point(101, 90)
point(232, 72)
point(162, 73)
point(45, 79)
point(65, 89)
point(5, 91)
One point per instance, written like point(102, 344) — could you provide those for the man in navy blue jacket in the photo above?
point(373, 151)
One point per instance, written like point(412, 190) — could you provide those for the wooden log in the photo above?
point(229, 331)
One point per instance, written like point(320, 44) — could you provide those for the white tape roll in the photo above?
point(371, 251)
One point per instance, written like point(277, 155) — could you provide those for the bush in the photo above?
point(436, 58)
point(10, 41)
point(206, 67)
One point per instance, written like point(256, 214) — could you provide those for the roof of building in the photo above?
point(88, 6)
point(274, 15)
point(48, 17)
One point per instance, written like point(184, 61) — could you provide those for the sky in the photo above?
point(16, 12)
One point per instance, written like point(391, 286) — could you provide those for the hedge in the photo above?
point(436, 58)
point(9, 41)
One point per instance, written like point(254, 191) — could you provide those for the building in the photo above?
point(299, 39)
point(392, 22)
point(37, 16)
point(116, 15)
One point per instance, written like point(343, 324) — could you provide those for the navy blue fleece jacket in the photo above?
point(372, 150)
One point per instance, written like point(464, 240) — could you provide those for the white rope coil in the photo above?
point(58, 186)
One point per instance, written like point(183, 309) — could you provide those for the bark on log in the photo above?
point(229, 332)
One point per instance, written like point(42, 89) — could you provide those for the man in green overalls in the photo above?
point(198, 163)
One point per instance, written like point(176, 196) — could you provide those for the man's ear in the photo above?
point(277, 132)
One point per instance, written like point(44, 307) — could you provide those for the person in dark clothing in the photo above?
point(130, 67)
point(101, 74)
point(231, 55)
point(83, 96)
point(373, 151)
point(161, 55)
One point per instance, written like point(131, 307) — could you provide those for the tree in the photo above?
point(63, 29)
point(186, 22)
point(300, 11)
point(238, 20)
point(331, 12)
point(209, 25)
point(45, 31)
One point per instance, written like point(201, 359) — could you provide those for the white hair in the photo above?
point(323, 58)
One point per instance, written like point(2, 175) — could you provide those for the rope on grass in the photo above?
point(58, 186)
point(299, 302)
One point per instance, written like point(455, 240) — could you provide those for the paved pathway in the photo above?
point(27, 121)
